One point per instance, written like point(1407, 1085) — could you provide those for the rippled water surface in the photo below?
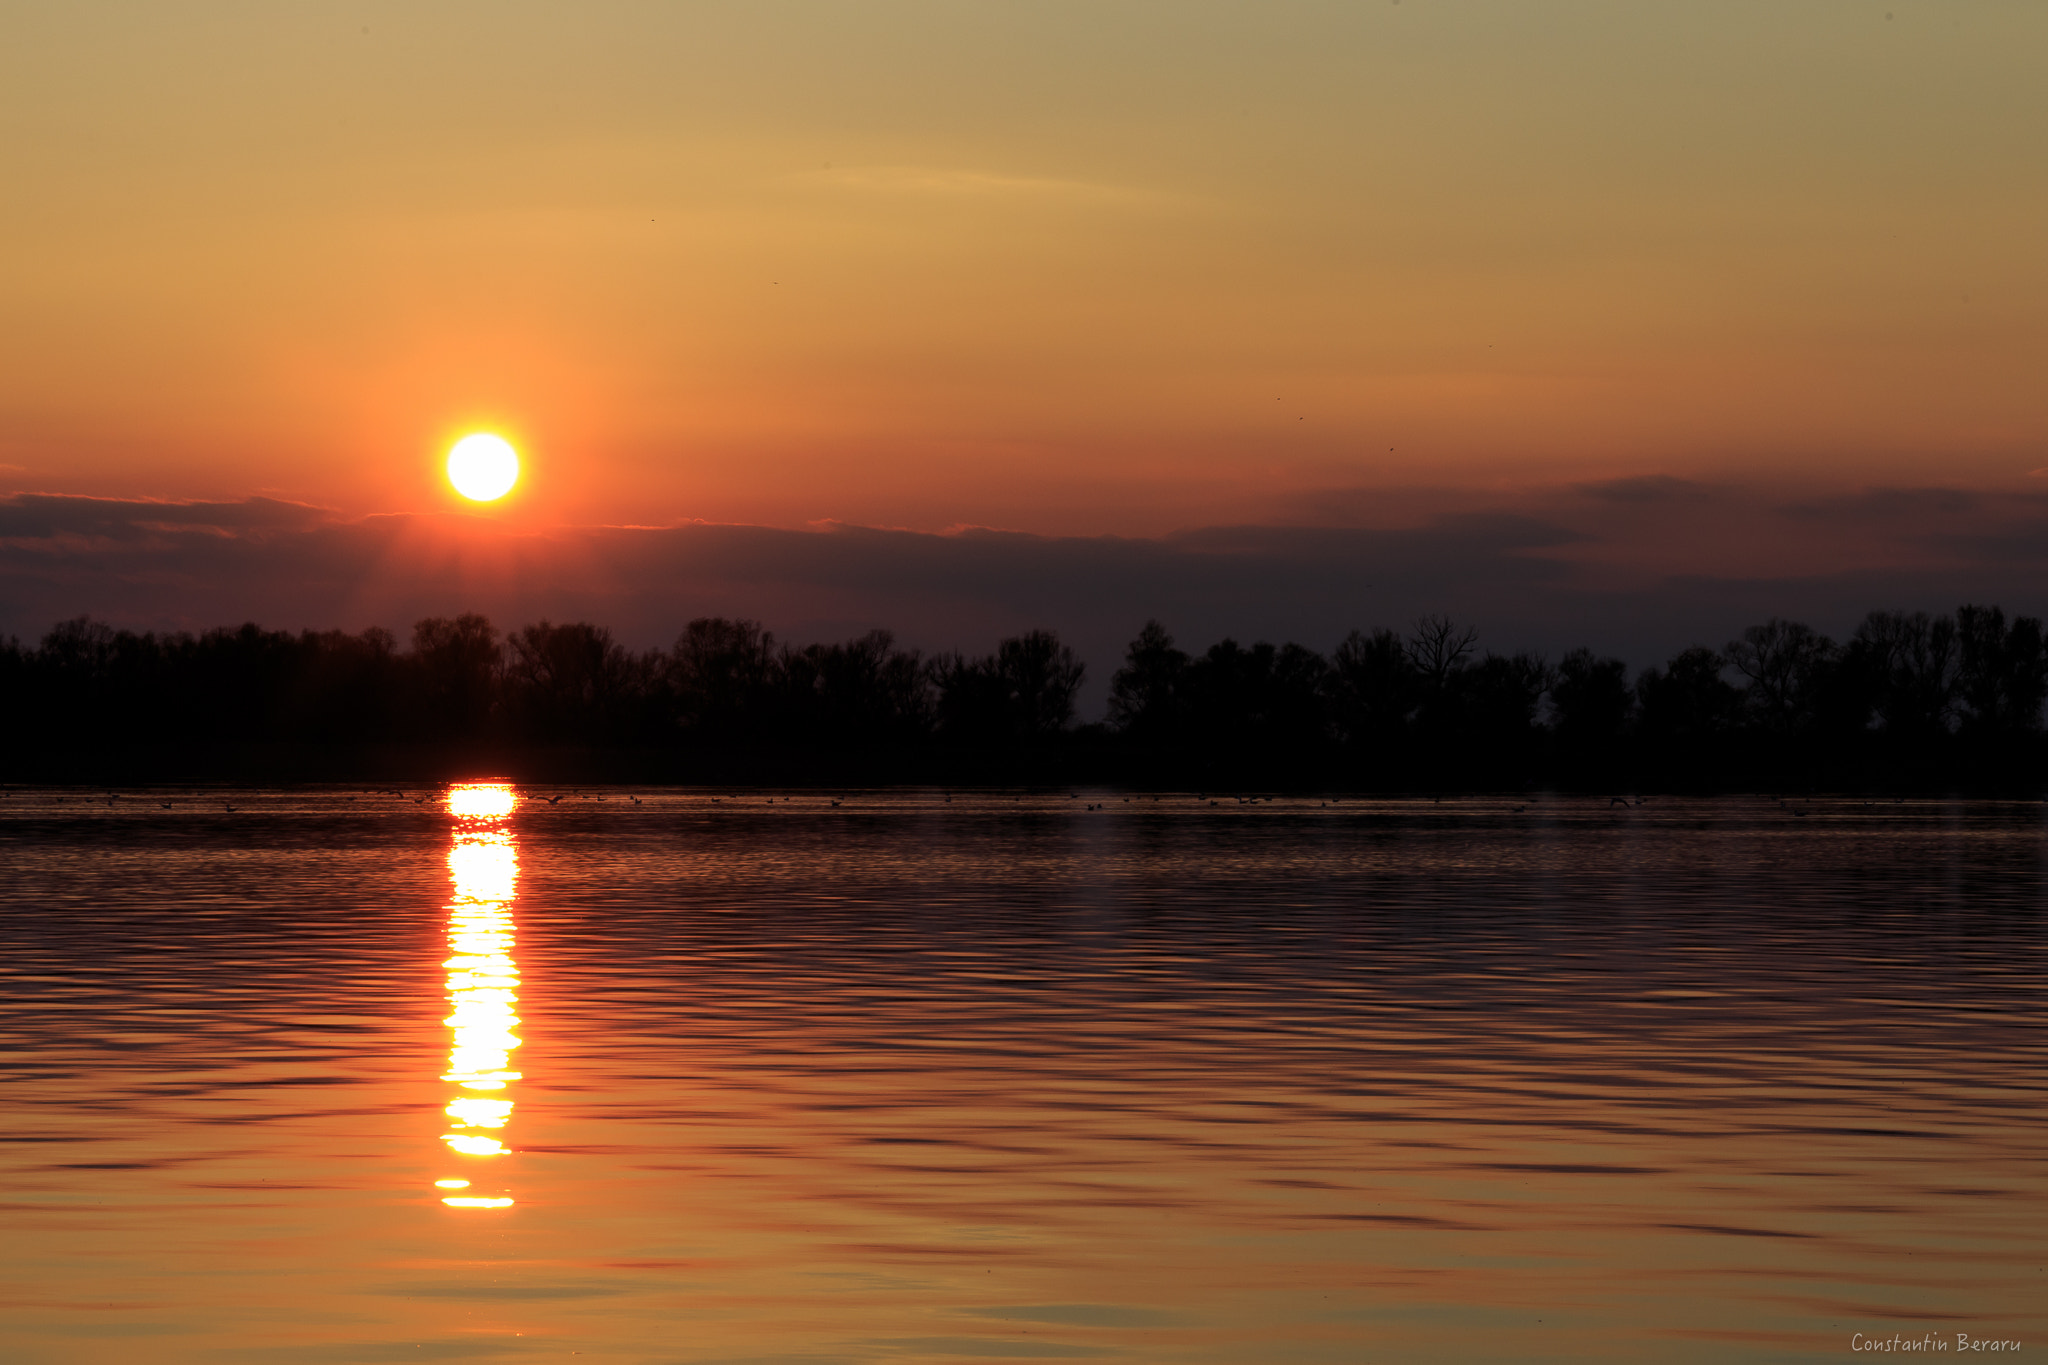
point(694, 1077)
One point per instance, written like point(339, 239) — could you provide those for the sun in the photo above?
point(483, 467)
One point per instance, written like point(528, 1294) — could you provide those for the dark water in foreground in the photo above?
point(910, 1080)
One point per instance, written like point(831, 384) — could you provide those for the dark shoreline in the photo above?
point(1910, 704)
point(411, 769)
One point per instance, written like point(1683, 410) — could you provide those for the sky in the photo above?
point(1745, 293)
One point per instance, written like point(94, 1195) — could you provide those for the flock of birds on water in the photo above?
point(199, 799)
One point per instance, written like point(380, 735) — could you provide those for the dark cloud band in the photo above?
point(1520, 577)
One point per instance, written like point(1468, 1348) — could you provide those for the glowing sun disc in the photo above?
point(483, 467)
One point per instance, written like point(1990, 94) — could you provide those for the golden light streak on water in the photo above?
point(482, 980)
point(481, 801)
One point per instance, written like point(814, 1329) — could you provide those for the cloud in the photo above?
point(45, 515)
point(1533, 579)
point(956, 183)
point(1646, 488)
point(2021, 543)
point(1886, 504)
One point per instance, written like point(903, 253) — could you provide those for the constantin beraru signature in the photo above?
point(1931, 1342)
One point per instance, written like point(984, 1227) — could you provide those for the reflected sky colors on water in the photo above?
point(909, 1078)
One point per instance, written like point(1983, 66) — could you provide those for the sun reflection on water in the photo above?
point(483, 982)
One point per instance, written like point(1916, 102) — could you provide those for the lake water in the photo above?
point(339, 1077)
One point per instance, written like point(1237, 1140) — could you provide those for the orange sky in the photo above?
point(1072, 269)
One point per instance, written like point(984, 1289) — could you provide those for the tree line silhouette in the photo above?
point(1910, 700)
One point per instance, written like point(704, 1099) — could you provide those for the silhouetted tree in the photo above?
point(17, 690)
point(1374, 690)
point(973, 708)
point(1021, 696)
point(1912, 698)
point(346, 687)
point(1041, 675)
point(2002, 673)
point(1591, 701)
point(74, 677)
point(1259, 714)
point(722, 678)
point(1145, 696)
point(240, 681)
point(1438, 648)
point(570, 683)
point(1786, 664)
point(1689, 698)
point(116, 690)
point(862, 693)
point(1689, 712)
point(1914, 661)
point(455, 663)
point(78, 652)
point(1496, 702)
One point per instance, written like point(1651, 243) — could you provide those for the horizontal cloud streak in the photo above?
point(33, 515)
